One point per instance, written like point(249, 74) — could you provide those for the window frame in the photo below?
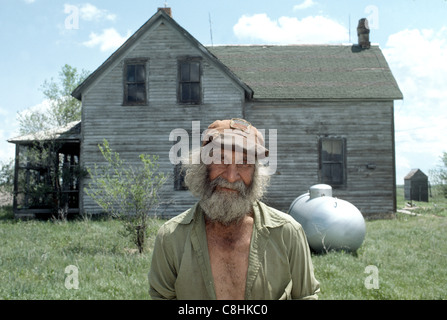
point(181, 82)
point(342, 161)
point(178, 171)
point(135, 62)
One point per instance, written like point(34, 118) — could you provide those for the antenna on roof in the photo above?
point(166, 4)
point(211, 30)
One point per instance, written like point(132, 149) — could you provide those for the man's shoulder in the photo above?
point(283, 226)
point(183, 219)
point(274, 218)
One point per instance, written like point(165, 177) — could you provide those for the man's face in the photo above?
point(228, 197)
point(227, 190)
point(232, 170)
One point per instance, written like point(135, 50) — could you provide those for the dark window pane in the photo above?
point(189, 86)
point(326, 173)
point(185, 92)
point(131, 73)
point(140, 74)
point(194, 72)
point(332, 173)
point(195, 92)
point(332, 161)
point(179, 178)
point(132, 93)
point(135, 83)
point(184, 72)
point(336, 173)
point(140, 93)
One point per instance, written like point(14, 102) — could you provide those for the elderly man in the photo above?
point(230, 245)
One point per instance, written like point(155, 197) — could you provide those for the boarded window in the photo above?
point(333, 161)
point(189, 82)
point(135, 83)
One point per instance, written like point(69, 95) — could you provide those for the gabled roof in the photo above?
point(311, 71)
point(160, 15)
point(294, 72)
point(415, 173)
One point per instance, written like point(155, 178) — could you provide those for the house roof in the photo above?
point(69, 132)
point(311, 71)
point(160, 16)
point(267, 72)
point(415, 173)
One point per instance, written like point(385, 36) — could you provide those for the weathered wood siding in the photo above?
point(368, 129)
point(132, 130)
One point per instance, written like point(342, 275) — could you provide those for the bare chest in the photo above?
point(229, 263)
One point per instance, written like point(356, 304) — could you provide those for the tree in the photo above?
point(63, 108)
point(439, 175)
point(7, 177)
point(127, 192)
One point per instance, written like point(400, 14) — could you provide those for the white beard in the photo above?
point(226, 207)
point(221, 206)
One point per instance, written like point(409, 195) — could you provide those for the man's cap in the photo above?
point(236, 132)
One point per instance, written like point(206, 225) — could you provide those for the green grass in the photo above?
point(437, 204)
point(410, 253)
point(34, 255)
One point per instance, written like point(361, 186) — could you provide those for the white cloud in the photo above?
point(417, 59)
point(306, 4)
point(89, 12)
point(30, 1)
point(290, 30)
point(42, 107)
point(109, 39)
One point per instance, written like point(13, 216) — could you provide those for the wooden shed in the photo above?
point(416, 186)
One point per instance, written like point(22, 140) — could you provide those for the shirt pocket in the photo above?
point(287, 295)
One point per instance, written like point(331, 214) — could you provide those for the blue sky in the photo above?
point(39, 36)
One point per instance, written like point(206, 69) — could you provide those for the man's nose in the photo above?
point(231, 173)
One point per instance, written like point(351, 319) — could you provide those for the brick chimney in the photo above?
point(363, 33)
point(167, 10)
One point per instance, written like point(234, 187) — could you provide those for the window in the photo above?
point(135, 82)
point(179, 178)
point(189, 91)
point(333, 161)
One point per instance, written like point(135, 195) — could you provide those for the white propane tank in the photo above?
point(329, 223)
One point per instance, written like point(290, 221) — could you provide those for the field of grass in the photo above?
point(408, 253)
point(35, 254)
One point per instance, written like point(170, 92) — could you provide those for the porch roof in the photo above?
point(69, 133)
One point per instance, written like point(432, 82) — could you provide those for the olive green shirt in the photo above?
point(279, 266)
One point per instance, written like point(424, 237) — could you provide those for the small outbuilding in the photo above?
point(416, 186)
